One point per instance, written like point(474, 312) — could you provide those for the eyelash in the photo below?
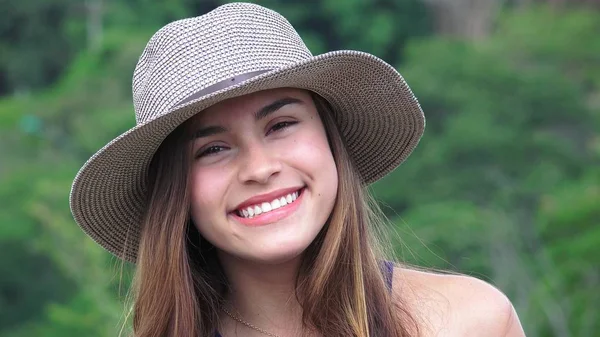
point(280, 126)
point(275, 128)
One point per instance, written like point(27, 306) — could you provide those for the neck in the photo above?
point(263, 295)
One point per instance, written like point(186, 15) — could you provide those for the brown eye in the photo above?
point(211, 150)
point(281, 125)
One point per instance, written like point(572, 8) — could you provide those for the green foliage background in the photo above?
point(505, 184)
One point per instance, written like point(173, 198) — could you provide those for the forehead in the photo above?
point(248, 104)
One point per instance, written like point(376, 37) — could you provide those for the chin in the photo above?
point(279, 254)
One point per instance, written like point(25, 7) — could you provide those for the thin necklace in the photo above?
point(251, 326)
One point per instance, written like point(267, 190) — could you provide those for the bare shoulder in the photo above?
point(456, 305)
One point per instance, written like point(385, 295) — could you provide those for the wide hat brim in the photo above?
point(378, 116)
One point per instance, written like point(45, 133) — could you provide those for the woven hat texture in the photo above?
point(234, 50)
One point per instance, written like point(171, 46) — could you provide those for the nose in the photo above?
point(258, 164)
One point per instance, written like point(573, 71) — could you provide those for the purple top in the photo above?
point(388, 271)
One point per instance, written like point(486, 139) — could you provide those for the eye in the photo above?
point(281, 125)
point(211, 150)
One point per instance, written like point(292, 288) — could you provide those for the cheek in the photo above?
point(312, 154)
point(207, 189)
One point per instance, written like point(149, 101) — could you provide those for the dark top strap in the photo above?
point(388, 273)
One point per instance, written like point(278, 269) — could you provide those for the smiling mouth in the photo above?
point(266, 207)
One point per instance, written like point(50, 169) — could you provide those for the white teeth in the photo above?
point(275, 204)
point(264, 207)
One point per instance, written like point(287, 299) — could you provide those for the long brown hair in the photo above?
point(179, 285)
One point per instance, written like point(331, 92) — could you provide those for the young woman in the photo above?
point(240, 192)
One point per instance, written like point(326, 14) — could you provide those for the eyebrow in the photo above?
point(278, 104)
point(258, 115)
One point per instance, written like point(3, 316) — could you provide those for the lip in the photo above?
point(273, 216)
point(267, 197)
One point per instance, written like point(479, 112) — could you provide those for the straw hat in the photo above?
point(234, 50)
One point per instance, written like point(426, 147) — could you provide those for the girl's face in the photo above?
point(263, 178)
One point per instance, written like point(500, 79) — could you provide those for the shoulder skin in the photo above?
point(456, 305)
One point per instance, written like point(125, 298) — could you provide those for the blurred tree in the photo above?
point(505, 178)
point(30, 281)
point(38, 39)
point(54, 133)
point(471, 19)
